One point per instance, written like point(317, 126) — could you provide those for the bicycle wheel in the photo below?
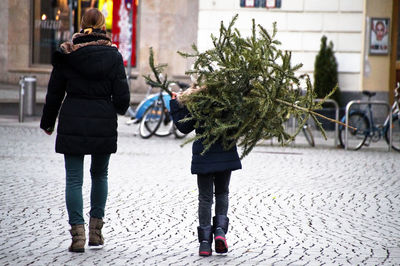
point(166, 126)
point(151, 120)
point(395, 133)
point(356, 138)
point(308, 134)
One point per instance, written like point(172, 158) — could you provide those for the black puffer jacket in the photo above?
point(89, 83)
point(216, 159)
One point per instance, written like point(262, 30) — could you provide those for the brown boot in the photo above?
point(95, 236)
point(78, 238)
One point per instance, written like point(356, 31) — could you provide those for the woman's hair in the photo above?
point(93, 18)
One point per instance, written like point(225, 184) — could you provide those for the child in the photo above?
point(213, 170)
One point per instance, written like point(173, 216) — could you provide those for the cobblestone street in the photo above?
point(292, 205)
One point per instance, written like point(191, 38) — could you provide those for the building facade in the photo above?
point(302, 23)
point(366, 60)
point(34, 28)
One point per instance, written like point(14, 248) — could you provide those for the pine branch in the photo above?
point(157, 69)
point(314, 113)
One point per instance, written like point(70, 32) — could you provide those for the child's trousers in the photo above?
point(206, 184)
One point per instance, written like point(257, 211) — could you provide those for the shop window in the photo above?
point(121, 28)
point(50, 28)
point(51, 25)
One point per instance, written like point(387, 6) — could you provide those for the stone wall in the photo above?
point(3, 41)
point(301, 24)
point(168, 26)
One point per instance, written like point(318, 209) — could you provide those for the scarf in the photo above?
point(85, 38)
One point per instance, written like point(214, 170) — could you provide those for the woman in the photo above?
point(89, 72)
point(213, 171)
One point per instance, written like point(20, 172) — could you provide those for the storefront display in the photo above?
point(53, 24)
point(50, 28)
point(124, 31)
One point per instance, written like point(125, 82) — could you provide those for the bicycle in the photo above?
point(308, 134)
point(154, 117)
point(366, 129)
point(306, 130)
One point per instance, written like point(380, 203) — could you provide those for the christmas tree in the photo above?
point(249, 90)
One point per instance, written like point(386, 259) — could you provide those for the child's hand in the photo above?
point(48, 131)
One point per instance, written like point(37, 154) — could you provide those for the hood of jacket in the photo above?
point(92, 55)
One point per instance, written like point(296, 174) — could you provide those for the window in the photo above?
point(52, 25)
point(124, 31)
point(398, 34)
point(50, 28)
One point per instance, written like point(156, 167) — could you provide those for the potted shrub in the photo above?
point(325, 79)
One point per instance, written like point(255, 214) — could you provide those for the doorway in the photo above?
point(397, 36)
point(395, 57)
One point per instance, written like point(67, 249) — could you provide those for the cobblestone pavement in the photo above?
point(288, 206)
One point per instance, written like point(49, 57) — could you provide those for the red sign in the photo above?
point(124, 31)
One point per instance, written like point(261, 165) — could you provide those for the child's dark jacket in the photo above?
point(216, 159)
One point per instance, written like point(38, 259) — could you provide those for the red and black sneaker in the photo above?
point(205, 240)
point(205, 248)
point(220, 241)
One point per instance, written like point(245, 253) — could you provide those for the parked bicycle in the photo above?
point(307, 131)
point(367, 130)
point(153, 115)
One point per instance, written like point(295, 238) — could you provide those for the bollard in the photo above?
point(21, 100)
point(30, 95)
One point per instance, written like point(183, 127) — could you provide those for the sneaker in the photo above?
point(205, 248)
point(220, 241)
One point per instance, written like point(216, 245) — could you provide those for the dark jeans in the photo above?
point(74, 181)
point(206, 184)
